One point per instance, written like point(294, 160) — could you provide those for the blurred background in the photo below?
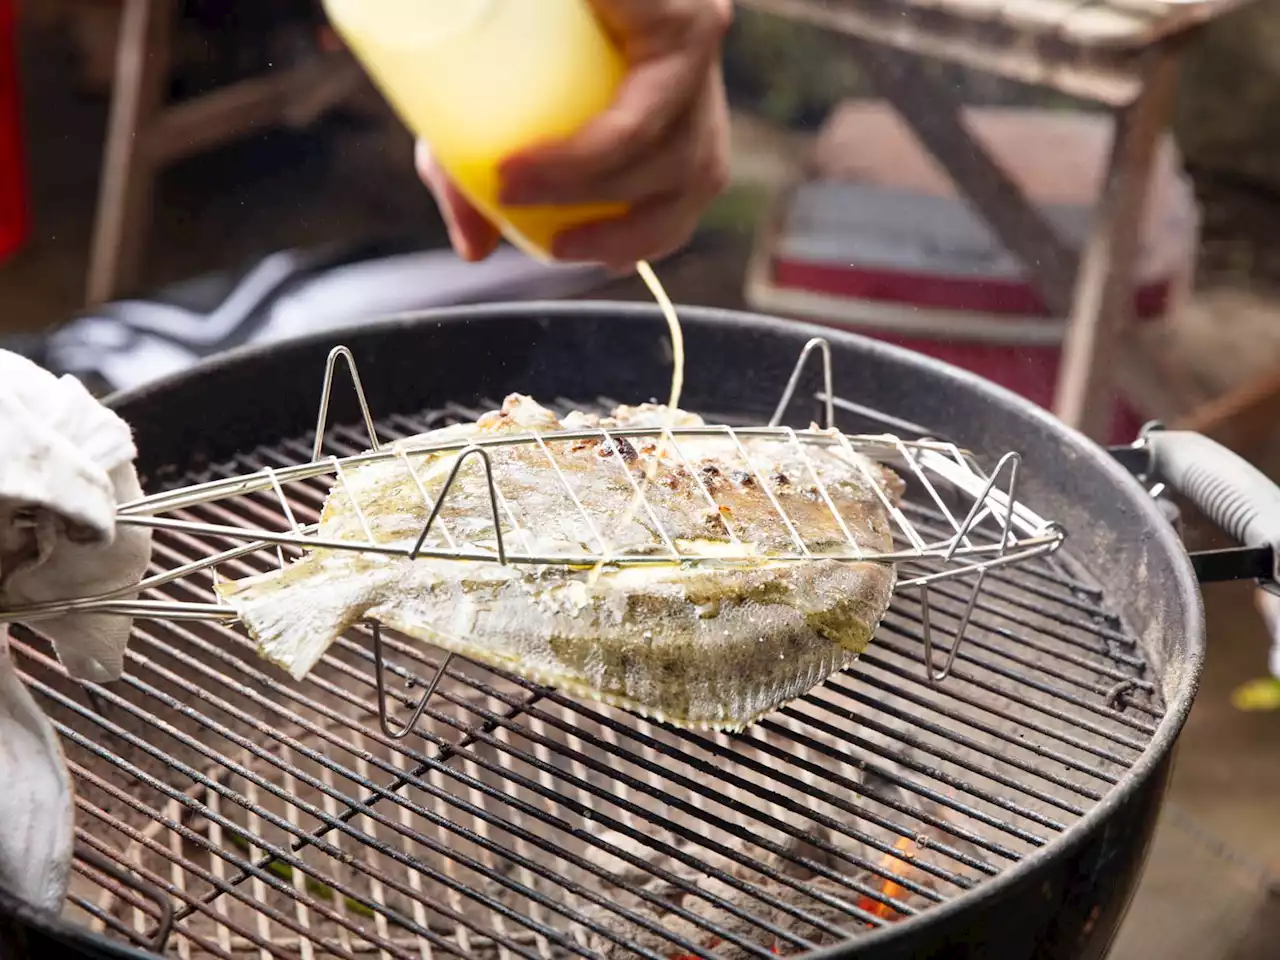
point(253, 155)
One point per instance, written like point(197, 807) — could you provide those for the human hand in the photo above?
point(662, 148)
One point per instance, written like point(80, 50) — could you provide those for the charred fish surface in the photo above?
point(713, 645)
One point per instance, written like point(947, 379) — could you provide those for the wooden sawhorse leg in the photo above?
point(935, 116)
point(128, 169)
point(1097, 293)
point(1106, 281)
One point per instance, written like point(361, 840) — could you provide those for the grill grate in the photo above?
point(281, 821)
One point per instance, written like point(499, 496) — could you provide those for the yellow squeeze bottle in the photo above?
point(480, 80)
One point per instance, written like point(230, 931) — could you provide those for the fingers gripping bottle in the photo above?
point(480, 80)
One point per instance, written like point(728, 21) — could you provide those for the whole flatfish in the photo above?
point(709, 645)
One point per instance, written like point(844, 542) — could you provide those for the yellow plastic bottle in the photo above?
point(482, 79)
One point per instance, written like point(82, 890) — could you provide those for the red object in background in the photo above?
point(925, 273)
point(14, 222)
point(1029, 371)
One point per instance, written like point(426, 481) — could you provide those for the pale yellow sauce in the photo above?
point(673, 402)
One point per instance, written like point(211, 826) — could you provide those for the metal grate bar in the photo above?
point(140, 906)
point(505, 773)
point(906, 737)
point(899, 733)
point(481, 815)
point(724, 775)
point(117, 890)
point(1050, 570)
point(1088, 608)
point(892, 624)
point(119, 926)
point(268, 703)
point(888, 776)
point(658, 746)
point(581, 758)
point(897, 829)
point(361, 650)
point(588, 789)
point(365, 811)
point(192, 837)
point(1028, 637)
point(974, 640)
point(1025, 640)
point(168, 887)
point(229, 794)
point(635, 758)
point(869, 659)
point(447, 750)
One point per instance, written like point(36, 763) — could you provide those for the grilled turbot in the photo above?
point(712, 645)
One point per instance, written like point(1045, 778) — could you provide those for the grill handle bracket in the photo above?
point(1235, 495)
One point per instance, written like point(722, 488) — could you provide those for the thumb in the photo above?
point(472, 236)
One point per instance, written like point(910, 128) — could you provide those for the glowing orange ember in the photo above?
point(890, 863)
point(709, 945)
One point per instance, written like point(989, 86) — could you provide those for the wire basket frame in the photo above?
point(990, 527)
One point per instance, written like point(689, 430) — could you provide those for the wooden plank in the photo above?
point(124, 200)
point(1112, 80)
point(934, 115)
point(1074, 42)
point(1179, 16)
point(1097, 25)
point(1104, 290)
point(342, 79)
point(236, 110)
point(1038, 16)
point(975, 11)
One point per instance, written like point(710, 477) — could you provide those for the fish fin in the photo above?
point(295, 619)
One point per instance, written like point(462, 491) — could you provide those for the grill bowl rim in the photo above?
point(1089, 456)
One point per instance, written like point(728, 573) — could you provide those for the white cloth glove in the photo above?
point(37, 816)
point(65, 462)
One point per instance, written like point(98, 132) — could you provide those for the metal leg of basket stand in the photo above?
point(326, 395)
point(828, 384)
point(379, 669)
point(379, 666)
point(1012, 460)
point(164, 926)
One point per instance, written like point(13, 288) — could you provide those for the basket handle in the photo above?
point(1238, 497)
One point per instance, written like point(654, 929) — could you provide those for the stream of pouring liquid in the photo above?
point(677, 387)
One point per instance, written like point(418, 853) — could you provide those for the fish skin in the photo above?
point(705, 647)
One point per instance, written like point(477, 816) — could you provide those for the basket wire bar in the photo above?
point(1023, 534)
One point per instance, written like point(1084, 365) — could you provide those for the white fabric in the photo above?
point(140, 341)
point(65, 462)
point(37, 817)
